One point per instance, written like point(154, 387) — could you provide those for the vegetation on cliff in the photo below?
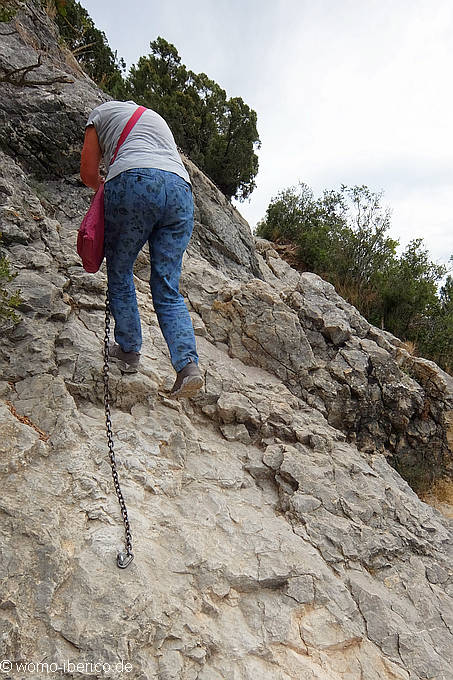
point(88, 44)
point(8, 301)
point(343, 237)
point(219, 134)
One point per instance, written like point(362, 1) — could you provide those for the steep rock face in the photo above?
point(221, 236)
point(361, 379)
point(272, 538)
point(40, 125)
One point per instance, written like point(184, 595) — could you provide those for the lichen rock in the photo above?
point(273, 539)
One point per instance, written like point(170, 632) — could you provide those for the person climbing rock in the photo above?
point(147, 199)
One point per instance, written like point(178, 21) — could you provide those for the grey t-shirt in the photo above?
point(150, 143)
